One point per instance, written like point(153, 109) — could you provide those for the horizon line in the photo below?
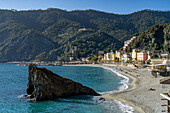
point(51, 8)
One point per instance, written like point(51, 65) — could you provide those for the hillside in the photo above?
point(155, 39)
point(48, 34)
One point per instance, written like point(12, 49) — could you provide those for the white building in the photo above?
point(126, 43)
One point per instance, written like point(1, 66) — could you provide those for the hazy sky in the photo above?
point(112, 6)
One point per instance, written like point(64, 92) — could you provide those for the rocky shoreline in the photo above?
point(46, 85)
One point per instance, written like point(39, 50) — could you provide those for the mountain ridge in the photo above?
point(61, 29)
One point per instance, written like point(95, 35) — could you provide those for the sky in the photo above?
point(111, 6)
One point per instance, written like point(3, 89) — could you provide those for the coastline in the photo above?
point(138, 94)
point(131, 86)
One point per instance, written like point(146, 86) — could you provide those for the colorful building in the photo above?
point(85, 60)
point(134, 53)
point(119, 55)
point(110, 56)
point(126, 57)
point(142, 56)
point(105, 58)
point(113, 57)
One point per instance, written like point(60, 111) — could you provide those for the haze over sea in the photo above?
point(14, 79)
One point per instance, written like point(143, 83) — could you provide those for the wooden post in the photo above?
point(168, 107)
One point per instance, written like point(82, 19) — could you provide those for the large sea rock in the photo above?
point(45, 85)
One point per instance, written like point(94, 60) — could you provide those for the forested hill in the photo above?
point(155, 39)
point(48, 34)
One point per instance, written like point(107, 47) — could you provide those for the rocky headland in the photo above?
point(46, 85)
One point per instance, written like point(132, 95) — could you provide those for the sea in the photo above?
point(14, 79)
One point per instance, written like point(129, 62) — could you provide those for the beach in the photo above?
point(138, 95)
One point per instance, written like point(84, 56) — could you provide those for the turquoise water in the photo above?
point(13, 84)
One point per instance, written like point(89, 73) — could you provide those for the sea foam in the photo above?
point(124, 82)
point(111, 105)
point(124, 107)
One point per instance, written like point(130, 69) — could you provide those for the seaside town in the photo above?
point(150, 75)
point(85, 56)
point(137, 56)
point(158, 62)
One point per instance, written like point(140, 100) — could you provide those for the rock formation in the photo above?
point(45, 85)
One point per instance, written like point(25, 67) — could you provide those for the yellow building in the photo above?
point(113, 57)
point(105, 57)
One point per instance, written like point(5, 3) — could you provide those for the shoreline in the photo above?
point(138, 95)
point(131, 86)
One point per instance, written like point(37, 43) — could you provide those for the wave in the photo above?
point(124, 82)
point(112, 105)
point(23, 96)
point(124, 107)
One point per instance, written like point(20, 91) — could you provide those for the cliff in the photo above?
point(45, 85)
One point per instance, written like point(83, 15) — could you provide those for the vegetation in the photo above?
point(53, 33)
point(155, 39)
point(93, 59)
point(41, 56)
point(136, 34)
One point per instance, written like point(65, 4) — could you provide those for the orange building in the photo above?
point(142, 56)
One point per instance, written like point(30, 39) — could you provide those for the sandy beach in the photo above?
point(139, 95)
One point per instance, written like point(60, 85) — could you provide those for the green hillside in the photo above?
point(155, 39)
point(48, 34)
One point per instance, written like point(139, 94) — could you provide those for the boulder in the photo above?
point(45, 85)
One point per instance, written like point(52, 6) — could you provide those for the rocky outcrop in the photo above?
point(45, 85)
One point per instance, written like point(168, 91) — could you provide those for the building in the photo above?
point(105, 58)
point(118, 55)
point(109, 56)
point(101, 55)
point(149, 55)
point(101, 52)
point(126, 57)
point(113, 57)
point(142, 56)
point(71, 58)
point(126, 43)
point(84, 60)
point(134, 53)
point(82, 29)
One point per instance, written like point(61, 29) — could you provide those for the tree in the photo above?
point(136, 34)
point(95, 59)
point(41, 56)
